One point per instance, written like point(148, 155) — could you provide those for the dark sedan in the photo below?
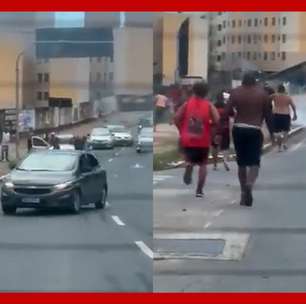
point(50, 178)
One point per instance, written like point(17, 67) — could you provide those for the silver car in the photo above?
point(122, 136)
point(100, 138)
point(145, 140)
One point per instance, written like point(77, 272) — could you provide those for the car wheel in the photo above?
point(76, 205)
point(102, 202)
point(9, 210)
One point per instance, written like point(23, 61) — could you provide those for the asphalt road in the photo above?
point(97, 250)
point(267, 251)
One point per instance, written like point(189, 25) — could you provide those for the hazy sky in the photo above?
point(66, 19)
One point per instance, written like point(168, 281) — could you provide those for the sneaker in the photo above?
point(188, 175)
point(199, 194)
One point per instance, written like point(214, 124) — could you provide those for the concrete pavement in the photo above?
point(97, 250)
point(263, 247)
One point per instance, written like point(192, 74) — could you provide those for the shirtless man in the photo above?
point(281, 116)
point(252, 106)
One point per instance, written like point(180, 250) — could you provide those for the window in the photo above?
point(234, 23)
point(255, 39)
point(248, 55)
point(239, 39)
point(111, 76)
point(259, 38)
point(46, 95)
point(279, 38)
point(255, 56)
point(266, 38)
point(233, 39)
point(219, 42)
point(39, 77)
point(249, 39)
point(239, 54)
point(240, 23)
point(39, 95)
point(283, 55)
point(250, 22)
point(46, 77)
point(278, 54)
point(99, 59)
point(273, 38)
point(255, 22)
point(273, 21)
point(284, 38)
point(218, 58)
point(219, 27)
point(266, 21)
point(98, 76)
point(284, 20)
point(272, 55)
point(265, 56)
point(224, 24)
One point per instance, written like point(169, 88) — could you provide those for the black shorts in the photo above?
point(196, 156)
point(281, 123)
point(248, 145)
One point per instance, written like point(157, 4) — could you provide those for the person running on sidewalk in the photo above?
point(160, 108)
point(252, 106)
point(282, 119)
point(193, 120)
point(221, 143)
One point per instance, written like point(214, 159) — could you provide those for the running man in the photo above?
point(193, 119)
point(281, 116)
point(252, 106)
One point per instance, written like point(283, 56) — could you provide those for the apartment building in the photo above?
point(262, 41)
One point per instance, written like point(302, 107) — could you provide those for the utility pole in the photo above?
point(17, 105)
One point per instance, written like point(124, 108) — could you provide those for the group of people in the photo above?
point(203, 125)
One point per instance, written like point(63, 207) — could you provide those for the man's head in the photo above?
point(281, 89)
point(200, 89)
point(249, 79)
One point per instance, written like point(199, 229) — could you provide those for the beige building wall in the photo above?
point(13, 43)
point(69, 78)
point(133, 61)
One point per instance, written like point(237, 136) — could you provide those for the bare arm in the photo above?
point(267, 112)
point(293, 107)
point(228, 111)
point(179, 116)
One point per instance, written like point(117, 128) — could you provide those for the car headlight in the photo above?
point(9, 185)
point(63, 186)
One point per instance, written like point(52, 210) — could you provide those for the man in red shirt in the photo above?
point(193, 119)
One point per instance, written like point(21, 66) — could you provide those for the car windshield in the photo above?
point(48, 162)
point(98, 132)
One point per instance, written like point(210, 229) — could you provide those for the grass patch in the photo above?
point(163, 160)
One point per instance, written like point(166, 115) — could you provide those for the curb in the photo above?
point(266, 148)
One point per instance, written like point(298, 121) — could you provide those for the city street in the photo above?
point(214, 244)
point(97, 250)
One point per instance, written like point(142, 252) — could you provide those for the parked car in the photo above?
point(54, 178)
point(100, 138)
point(145, 122)
point(145, 140)
point(122, 136)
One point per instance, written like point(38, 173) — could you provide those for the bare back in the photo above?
point(282, 103)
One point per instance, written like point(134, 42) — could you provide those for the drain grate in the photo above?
point(218, 246)
point(203, 247)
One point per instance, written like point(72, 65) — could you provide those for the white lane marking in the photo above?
point(117, 220)
point(110, 160)
point(218, 213)
point(233, 202)
point(137, 166)
point(145, 249)
point(207, 225)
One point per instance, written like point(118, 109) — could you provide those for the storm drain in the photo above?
point(225, 246)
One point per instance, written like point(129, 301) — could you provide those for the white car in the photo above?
point(100, 138)
point(145, 140)
point(122, 136)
